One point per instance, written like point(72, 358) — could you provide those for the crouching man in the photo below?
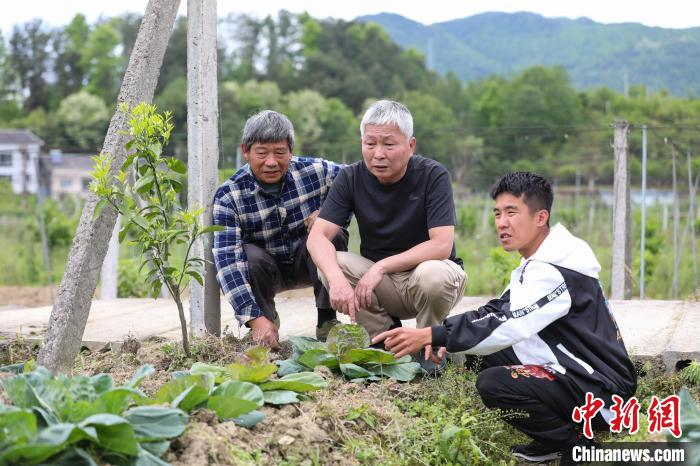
point(407, 267)
point(549, 339)
point(266, 209)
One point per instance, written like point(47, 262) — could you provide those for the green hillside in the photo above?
point(593, 54)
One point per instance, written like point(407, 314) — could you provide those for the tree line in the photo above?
point(62, 84)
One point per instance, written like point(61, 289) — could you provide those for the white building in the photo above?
point(19, 155)
point(71, 174)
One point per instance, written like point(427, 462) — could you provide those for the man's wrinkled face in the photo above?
point(268, 160)
point(386, 151)
point(517, 227)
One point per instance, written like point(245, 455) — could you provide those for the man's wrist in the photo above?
point(336, 277)
point(380, 267)
point(255, 321)
point(427, 336)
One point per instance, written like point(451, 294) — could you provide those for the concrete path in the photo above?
point(667, 332)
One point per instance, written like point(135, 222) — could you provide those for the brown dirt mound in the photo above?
point(312, 432)
point(315, 431)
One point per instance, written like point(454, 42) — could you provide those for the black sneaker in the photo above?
point(567, 456)
point(428, 366)
point(535, 452)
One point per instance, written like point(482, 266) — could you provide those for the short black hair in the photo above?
point(536, 190)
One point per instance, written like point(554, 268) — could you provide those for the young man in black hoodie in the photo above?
point(549, 339)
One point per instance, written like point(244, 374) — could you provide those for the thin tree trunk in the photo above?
point(70, 312)
point(183, 322)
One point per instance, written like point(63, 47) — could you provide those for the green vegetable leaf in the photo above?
point(234, 398)
point(300, 382)
point(148, 458)
point(114, 401)
point(220, 373)
point(368, 355)
point(141, 373)
point(318, 357)
point(402, 372)
point(249, 420)
point(50, 441)
point(101, 383)
point(289, 366)
point(280, 397)
point(153, 423)
point(17, 426)
point(252, 367)
point(113, 432)
point(186, 392)
point(353, 371)
point(344, 337)
point(301, 345)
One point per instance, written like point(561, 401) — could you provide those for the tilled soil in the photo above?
point(311, 432)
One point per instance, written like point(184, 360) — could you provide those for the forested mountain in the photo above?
point(61, 83)
point(593, 54)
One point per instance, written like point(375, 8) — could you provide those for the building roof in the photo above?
point(74, 162)
point(19, 136)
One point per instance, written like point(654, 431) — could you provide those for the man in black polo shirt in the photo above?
point(406, 216)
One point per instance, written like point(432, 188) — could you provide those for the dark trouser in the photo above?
point(541, 400)
point(269, 276)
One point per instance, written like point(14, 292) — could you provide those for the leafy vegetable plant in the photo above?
point(346, 351)
point(237, 390)
point(70, 419)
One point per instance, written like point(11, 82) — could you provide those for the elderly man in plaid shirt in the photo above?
point(267, 208)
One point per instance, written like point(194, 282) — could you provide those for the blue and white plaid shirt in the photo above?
point(273, 222)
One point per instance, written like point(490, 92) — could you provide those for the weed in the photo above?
point(691, 373)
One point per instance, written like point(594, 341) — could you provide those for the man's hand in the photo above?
point(309, 221)
point(436, 358)
point(369, 281)
point(265, 332)
point(343, 298)
point(403, 341)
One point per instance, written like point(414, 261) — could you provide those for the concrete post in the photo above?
point(676, 221)
point(110, 266)
point(642, 257)
point(72, 307)
point(691, 221)
point(203, 154)
point(621, 243)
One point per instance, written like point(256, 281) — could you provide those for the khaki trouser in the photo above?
point(427, 293)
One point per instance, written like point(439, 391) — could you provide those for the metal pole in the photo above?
point(644, 211)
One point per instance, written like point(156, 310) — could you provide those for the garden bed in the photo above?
point(385, 422)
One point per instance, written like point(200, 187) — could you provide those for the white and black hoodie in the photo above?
point(552, 314)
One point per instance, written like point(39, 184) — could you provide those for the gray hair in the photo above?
point(267, 126)
point(388, 112)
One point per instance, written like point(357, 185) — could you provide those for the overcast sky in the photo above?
point(666, 13)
